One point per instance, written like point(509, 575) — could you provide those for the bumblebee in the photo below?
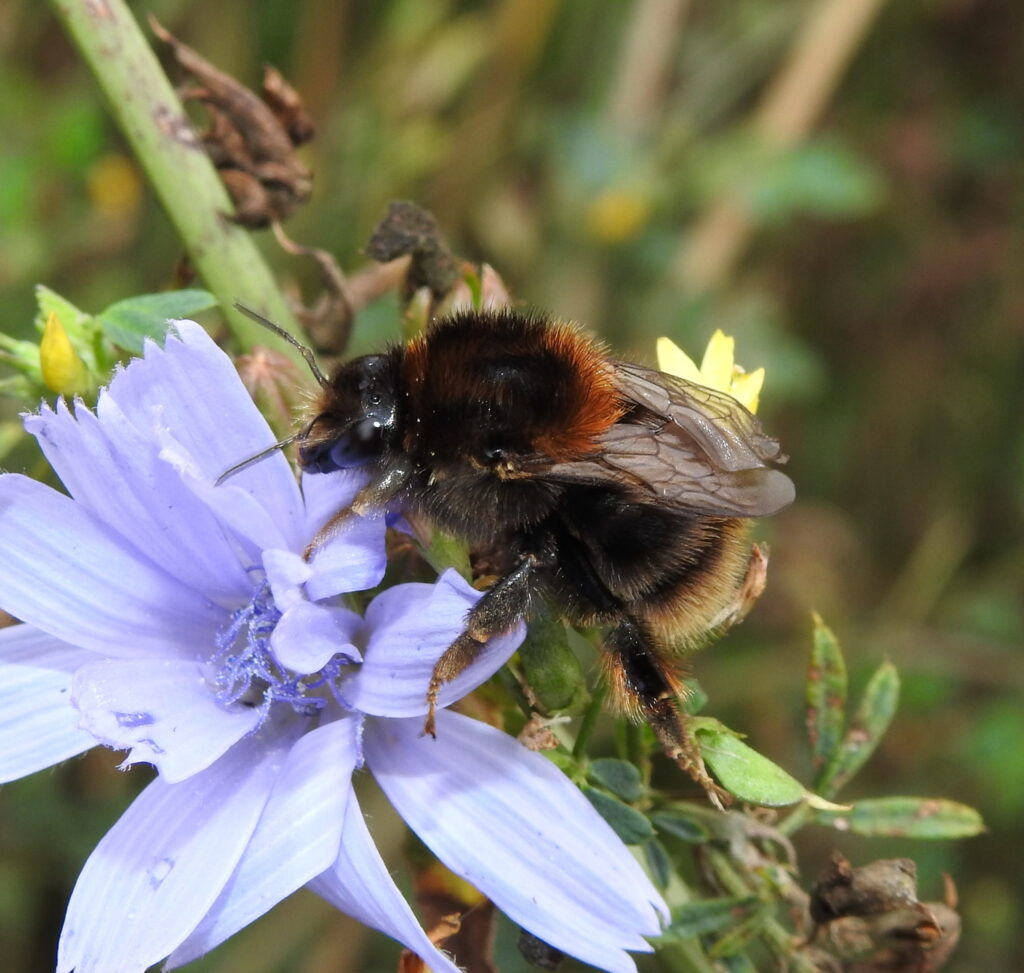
point(618, 492)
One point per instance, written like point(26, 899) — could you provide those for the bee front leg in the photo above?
point(502, 605)
point(375, 496)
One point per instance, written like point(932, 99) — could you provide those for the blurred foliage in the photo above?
point(604, 157)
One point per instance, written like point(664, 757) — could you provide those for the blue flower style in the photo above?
point(179, 620)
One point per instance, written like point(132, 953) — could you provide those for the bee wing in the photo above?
point(730, 437)
point(687, 446)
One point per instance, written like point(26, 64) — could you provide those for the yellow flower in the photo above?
point(617, 215)
point(63, 370)
point(718, 370)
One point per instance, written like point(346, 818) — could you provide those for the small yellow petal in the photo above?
point(716, 368)
point(673, 360)
point(63, 370)
point(746, 387)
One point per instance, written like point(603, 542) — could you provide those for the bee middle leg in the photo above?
point(502, 605)
point(646, 685)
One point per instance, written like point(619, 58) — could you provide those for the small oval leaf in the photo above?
point(129, 322)
point(874, 714)
point(682, 827)
point(826, 696)
point(627, 822)
point(745, 773)
point(659, 864)
point(618, 776)
point(906, 817)
point(709, 915)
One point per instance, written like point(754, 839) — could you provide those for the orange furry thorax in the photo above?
point(548, 386)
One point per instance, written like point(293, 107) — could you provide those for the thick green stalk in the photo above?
point(167, 147)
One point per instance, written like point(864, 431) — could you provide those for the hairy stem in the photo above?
point(152, 119)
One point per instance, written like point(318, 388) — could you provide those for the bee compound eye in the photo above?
point(318, 458)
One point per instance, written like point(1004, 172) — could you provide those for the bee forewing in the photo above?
point(730, 437)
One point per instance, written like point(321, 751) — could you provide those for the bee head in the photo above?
point(357, 418)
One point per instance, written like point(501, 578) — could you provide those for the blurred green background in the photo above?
point(838, 183)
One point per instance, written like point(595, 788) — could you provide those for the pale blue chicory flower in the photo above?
point(178, 620)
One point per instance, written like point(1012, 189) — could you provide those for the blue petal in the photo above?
point(308, 636)
point(286, 573)
point(509, 822)
point(254, 524)
point(157, 872)
point(38, 724)
point(163, 710)
point(116, 474)
point(410, 626)
point(360, 885)
point(353, 559)
point(191, 388)
point(327, 493)
point(297, 838)
point(67, 574)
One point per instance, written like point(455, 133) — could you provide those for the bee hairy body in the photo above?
point(617, 492)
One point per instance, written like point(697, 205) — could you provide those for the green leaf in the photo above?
point(709, 915)
point(618, 776)
point(474, 282)
point(694, 698)
point(906, 817)
point(826, 696)
point(744, 772)
point(50, 302)
point(818, 178)
point(658, 862)
point(679, 826)
point(738, 963)
point(627, 822)
point(874, 714)
point(129, 322)
point(22, 355)
point(740, 935)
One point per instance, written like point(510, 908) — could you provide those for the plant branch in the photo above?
point(645, 62)
point(789, 109)
point(152, 119)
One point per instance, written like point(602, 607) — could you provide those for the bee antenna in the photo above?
point(306, 352)
point(256, 457)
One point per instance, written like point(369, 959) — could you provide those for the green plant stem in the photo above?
point(588, 723)
point(636, 751)
point(151, 117)
point(795, 820)
point(683, 956)
point(772, 932)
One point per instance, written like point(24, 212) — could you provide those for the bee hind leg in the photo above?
point(646, 686)
point(502, 605)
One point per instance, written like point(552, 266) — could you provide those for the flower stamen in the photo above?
point(246, 670)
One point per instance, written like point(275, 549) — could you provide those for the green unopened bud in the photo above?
point(553, 673)
point(62, 367)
